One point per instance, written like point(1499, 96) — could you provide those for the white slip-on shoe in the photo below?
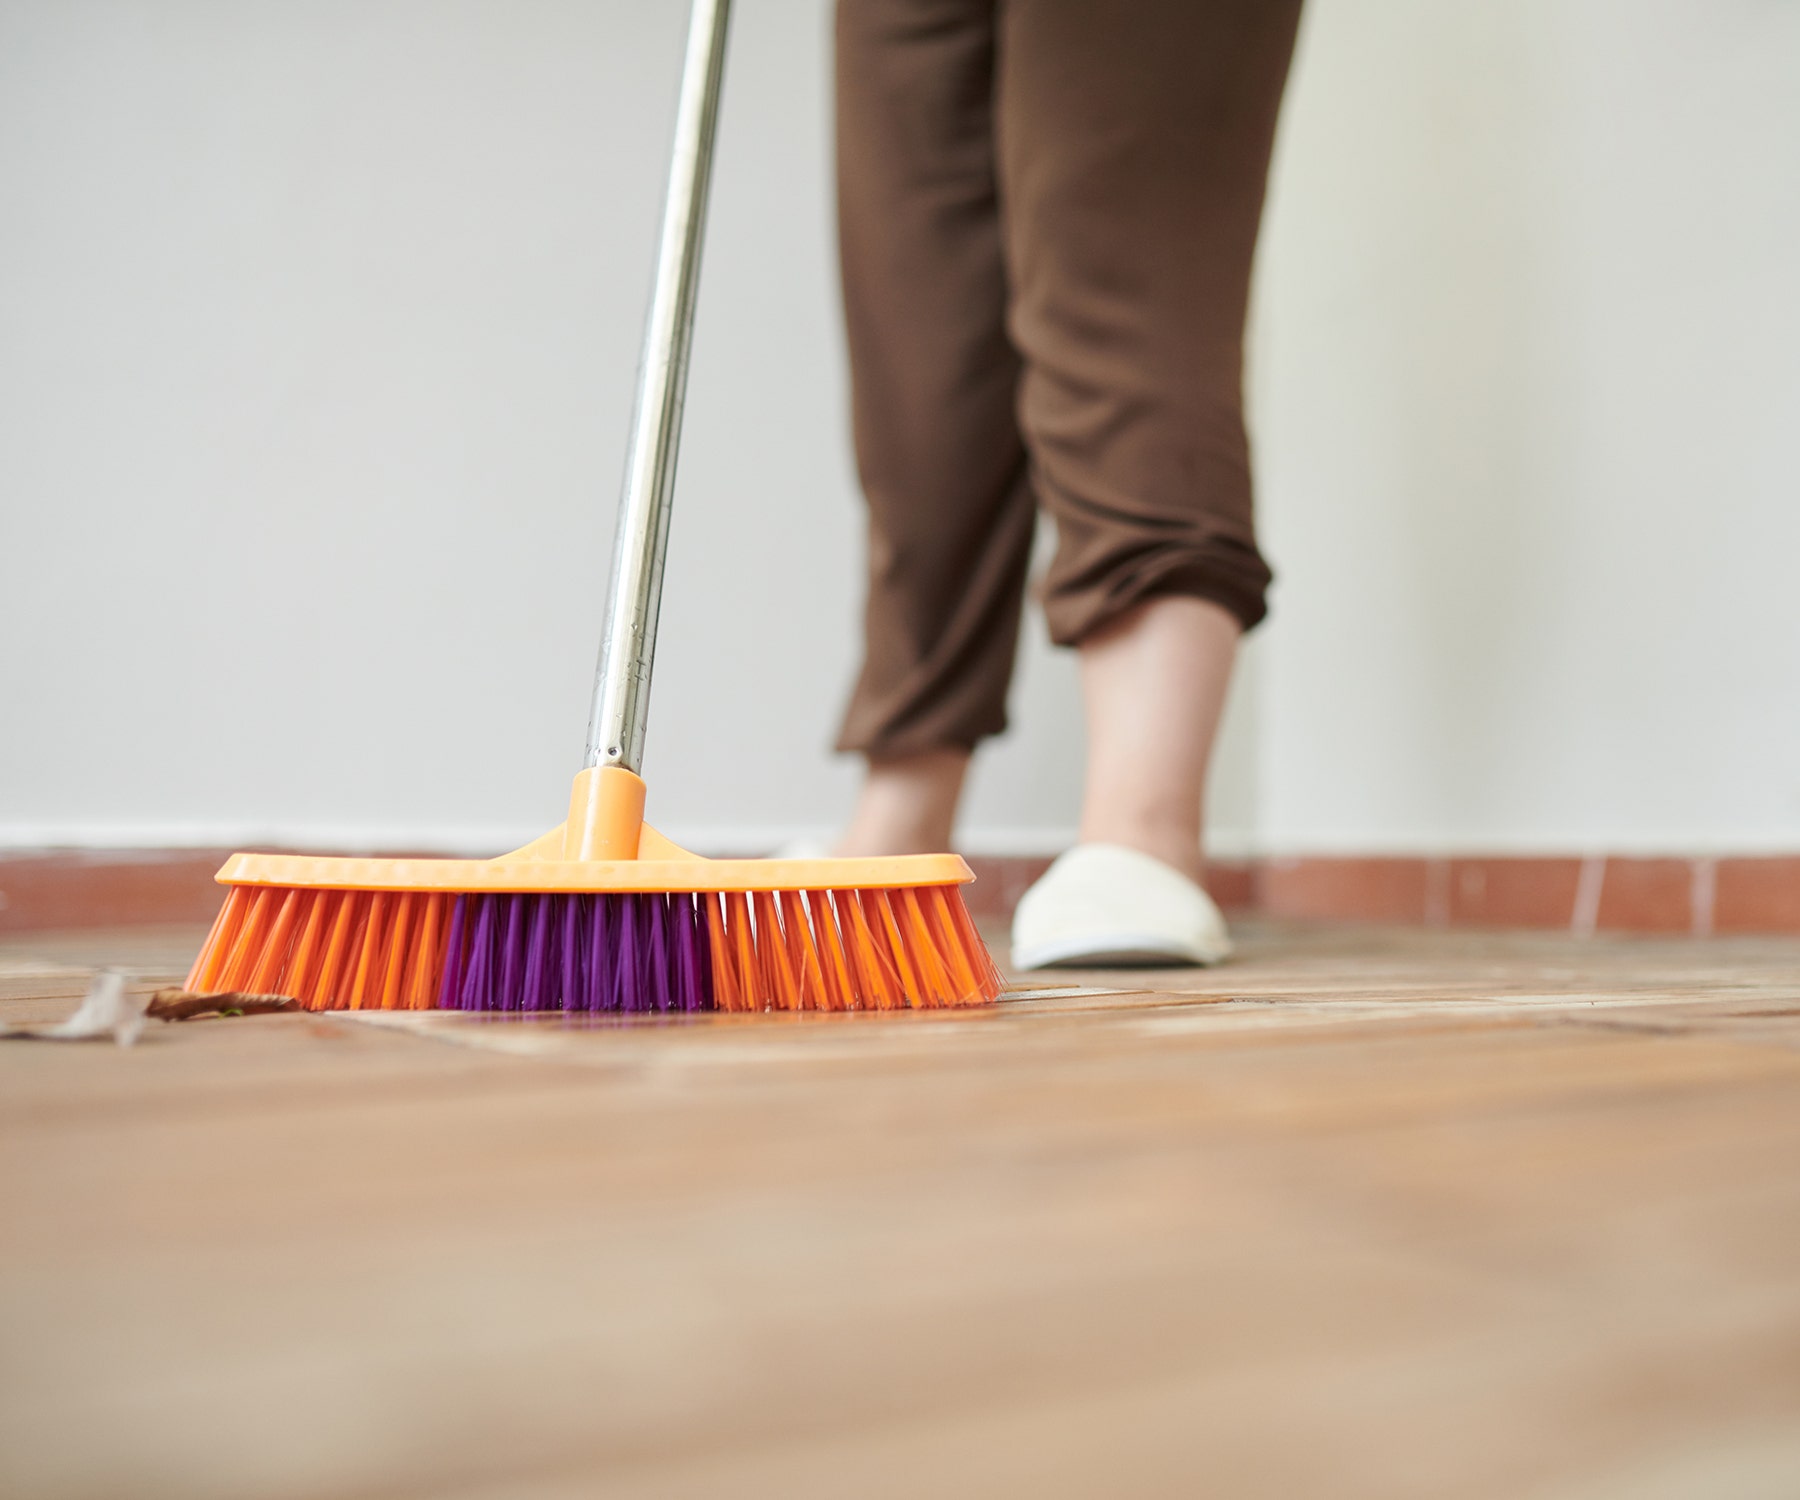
point(1101, 905)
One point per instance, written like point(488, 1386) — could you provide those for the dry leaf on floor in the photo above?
point(185, 1005)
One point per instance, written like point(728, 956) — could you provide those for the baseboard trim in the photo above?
point(1694, 895)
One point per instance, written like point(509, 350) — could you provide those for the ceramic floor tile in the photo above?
point(1363, 1213)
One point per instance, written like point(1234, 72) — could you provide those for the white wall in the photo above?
point(1529, 400)
point(317, 327)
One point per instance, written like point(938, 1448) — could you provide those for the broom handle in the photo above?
point(640, 544)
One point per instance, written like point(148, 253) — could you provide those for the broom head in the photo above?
point(600, 914)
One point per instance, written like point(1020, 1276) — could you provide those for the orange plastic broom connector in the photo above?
point(600, 914)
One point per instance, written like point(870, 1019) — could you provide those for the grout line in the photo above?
point(1437, 893)
point(1703, 890)
point(1585, 917)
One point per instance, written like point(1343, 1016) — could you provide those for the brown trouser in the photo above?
point(1048, 210)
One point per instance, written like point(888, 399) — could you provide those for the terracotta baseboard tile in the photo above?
point(1500, 892)
point(1232, 883)
point(44, 890)
point(1345, 890)
point(103, 888)
point(1756, 895)
point(1647, 895)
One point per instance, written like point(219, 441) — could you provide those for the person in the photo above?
point(1048, 211)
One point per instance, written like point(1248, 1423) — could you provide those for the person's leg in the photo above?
point(933, 385)
point(1135, 148)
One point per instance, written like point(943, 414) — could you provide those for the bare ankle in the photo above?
point(1154, 683)
point(1174, 844)
point(907, 804)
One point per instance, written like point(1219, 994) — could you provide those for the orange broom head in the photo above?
point(600, 914)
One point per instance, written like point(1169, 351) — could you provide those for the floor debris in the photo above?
point(108, 1010)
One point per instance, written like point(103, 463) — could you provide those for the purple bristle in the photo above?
point(572, 989)
point(540, 964)
point(508, 920)
point(692, 971)
point(598, 953)
point(476, 982)
point(633, 952)
point(678, 913)
point(625, 963)
point(654, 985)
point(568, 947)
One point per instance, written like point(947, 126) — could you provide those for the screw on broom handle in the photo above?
point(622, 682)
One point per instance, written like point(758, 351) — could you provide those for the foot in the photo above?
point(1104, 905)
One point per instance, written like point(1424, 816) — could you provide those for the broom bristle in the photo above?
point(898, 949)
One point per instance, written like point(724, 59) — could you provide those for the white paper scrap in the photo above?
point(107, 1010)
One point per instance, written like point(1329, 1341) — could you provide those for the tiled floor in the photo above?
point(1365, 1213)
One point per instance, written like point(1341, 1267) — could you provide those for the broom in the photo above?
point(603, 913)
